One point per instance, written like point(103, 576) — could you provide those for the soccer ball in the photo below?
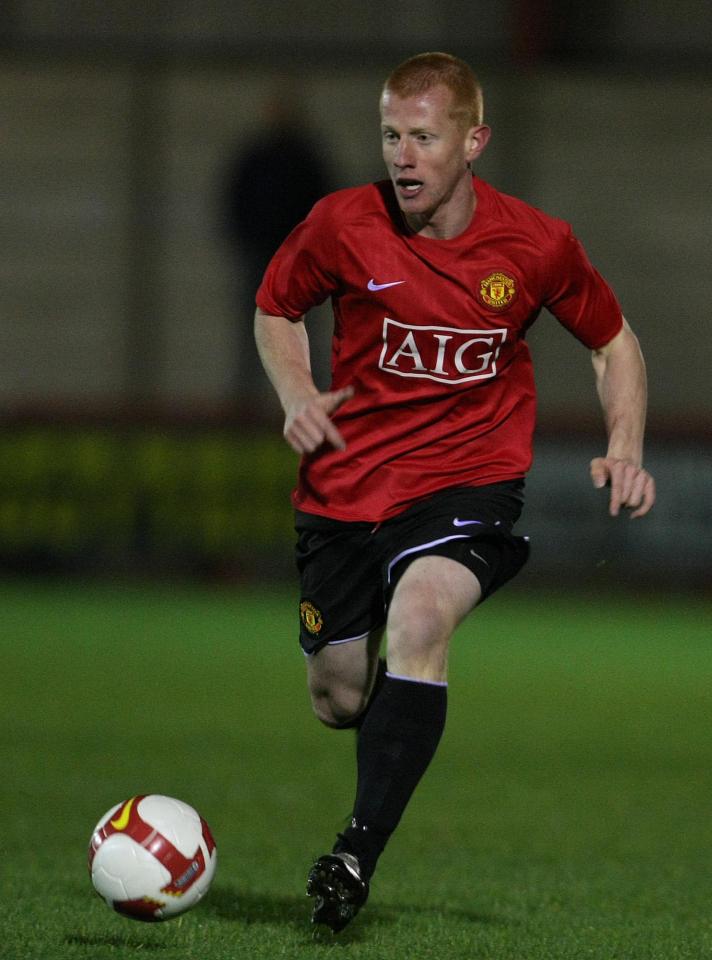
point(152, 857)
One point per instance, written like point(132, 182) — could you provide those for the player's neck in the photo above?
point(451, 218)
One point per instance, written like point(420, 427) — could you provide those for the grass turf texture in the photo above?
point(566, 815)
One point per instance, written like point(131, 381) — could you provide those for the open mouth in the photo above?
point(408, 187)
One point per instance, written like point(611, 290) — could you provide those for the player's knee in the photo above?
point(338, 708)
point(418, 642)
point(419, 625)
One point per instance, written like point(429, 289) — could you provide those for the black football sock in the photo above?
point(396, 743)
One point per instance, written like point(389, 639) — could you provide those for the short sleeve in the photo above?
point(580, 298)
point(301, 274)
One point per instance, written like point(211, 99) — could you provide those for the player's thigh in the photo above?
point(433, 595)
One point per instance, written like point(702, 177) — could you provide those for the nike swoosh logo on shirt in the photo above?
point(372, 285)
point(463, 523)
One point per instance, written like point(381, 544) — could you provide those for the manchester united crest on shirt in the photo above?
point(311, 617)
point(498, 290)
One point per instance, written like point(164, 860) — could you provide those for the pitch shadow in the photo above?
point(293, 913)
point(116, 941)
point(230, 903)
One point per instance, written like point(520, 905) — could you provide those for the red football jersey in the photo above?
point(431, 335)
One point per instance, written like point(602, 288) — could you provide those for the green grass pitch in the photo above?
point(566, 815)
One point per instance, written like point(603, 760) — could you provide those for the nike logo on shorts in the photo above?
point(372, 285)
point(463, 523)
point(479, 557)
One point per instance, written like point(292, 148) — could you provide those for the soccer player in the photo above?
point(413, 463)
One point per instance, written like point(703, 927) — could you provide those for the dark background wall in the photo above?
point(119, 302)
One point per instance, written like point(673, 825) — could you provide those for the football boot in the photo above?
point(338, 890)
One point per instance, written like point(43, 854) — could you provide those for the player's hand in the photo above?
point(631, 486)
point(308, 422)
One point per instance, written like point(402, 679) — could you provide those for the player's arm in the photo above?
point(283, 346)
point(622, 389)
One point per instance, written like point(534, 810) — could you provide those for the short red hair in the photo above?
point(427, 70)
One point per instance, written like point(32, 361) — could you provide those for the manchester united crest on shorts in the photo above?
point(311, 617)
point(498, 290)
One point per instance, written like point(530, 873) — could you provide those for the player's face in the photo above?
point(427, 154)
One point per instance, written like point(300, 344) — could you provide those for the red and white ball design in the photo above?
point(152, 857)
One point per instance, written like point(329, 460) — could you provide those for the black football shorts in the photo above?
point(349, 570)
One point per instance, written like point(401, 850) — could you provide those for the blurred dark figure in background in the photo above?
point(561, 31)
point(271, 186)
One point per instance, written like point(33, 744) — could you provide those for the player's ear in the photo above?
point(477, 140)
